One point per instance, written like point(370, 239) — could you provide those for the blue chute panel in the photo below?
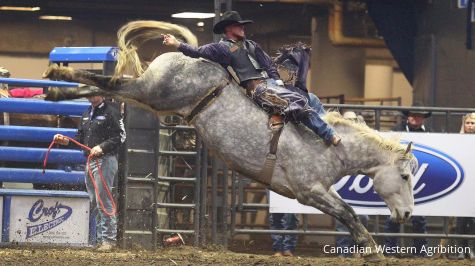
point(83, 54)
point(30, 106)
point(36, 134)
point(38, 83)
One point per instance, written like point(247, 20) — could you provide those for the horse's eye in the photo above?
point(405, 177)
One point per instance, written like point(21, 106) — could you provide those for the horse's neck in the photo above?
point(359, 152)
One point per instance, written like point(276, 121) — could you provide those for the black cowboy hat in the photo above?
point(425, 114)
point(229, 18)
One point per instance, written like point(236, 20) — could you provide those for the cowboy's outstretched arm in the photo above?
point(213, 51)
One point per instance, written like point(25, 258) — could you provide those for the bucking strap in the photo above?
point(276, 125)
point(215, 92)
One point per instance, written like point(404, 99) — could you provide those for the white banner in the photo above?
point(443, 186)
point(56, 220)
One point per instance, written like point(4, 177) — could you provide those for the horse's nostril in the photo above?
point(406, 214)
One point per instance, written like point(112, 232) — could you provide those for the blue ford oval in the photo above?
point(438, 175)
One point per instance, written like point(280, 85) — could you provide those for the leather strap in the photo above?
point(216, 91)
point(268, 169)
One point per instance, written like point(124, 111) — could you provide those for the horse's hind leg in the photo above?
point(55, 72)
point(105, 83)
point(323, 200)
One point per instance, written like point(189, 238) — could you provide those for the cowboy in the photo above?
point(256, 72)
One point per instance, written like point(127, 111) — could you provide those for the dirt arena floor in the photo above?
point(184, 255)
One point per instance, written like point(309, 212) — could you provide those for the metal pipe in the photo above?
point(36, 134)
point(29, 106)
point(233, 202)
point(37, 155)
point(204, 191)
point(336, 233)
point(156, 165)
point(197, 211)
point(225, 205)
point(309, 2)
point(434, 110)
point(377, 119)
point(214, 200)
point(51, 176)
point(335, 31)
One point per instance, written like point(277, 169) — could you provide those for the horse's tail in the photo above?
point(133, 34)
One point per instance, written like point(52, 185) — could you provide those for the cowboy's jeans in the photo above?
point(283, 221)
point(106, 226)
point(276, 99)
point(315, 104)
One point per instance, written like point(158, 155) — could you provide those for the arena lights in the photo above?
point(56, 18)
point(20, 8)
point(193, 15)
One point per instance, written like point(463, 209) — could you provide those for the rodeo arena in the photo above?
point(237, 132)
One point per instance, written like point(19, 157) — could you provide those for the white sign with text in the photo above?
point(443, 186)
point(56, 220)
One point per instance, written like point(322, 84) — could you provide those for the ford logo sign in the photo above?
point(438, 175)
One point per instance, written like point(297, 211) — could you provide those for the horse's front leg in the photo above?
point(320, 198)
point(363, 237)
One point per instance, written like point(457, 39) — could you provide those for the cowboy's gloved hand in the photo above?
point(170, 40)
point(60, 139)
point(96, 151)
point(279, 82)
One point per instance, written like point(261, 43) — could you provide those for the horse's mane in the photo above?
point(389, 144)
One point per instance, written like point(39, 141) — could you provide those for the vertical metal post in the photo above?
point(214, 200)
point(198, 175)
point(377, 119)
point(376, 226)
point(233, 202)
point(156, 165)
point(220, 6)
point(204, 195)
point(122, 195)
point(446, 226)
point(447, 121)
point(468, 40)
point(225, 205)
point(305, 222)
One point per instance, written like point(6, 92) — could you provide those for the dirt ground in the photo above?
point(184, 255)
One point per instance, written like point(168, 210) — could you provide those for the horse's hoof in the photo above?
point(55, 72)
point(49, 73)
point(54, 94)
point(374, 257)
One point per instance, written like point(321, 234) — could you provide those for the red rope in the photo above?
point(109, 194)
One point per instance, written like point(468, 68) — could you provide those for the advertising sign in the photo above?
point(442, 185)
point(56, 220)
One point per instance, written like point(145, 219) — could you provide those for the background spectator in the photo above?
point(283, 245)
point(465, 225)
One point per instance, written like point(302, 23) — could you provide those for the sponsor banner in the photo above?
point(442, 186)
point(1, 214)
point(49, 220)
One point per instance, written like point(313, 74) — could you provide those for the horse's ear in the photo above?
point(409, 148)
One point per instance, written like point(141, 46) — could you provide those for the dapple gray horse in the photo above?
point(234, 128)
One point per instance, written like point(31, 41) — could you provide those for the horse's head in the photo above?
point(393, 183)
